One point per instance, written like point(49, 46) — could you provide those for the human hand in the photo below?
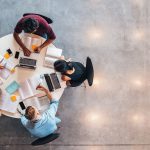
point(41, 88)
point(26, 52)
point(37, 50)
point(65, 78)
point(47, 92)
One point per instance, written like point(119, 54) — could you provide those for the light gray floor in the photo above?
point(114, 113)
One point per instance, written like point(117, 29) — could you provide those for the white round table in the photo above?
point(21, 74)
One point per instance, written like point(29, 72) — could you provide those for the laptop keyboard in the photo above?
point(27, 61)
point(55, 80)
point(49, 82)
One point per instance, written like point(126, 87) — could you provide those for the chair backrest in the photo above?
point(88, 75)
point(45, 140)
point(89, 71)
point(49, 21)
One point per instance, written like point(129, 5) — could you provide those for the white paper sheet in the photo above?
point(25, 90)
point(5, 73)
point(6, 103)
point(28, 87)
point(53, 52)
point(49, 61)
point(32, 102)
point(3, 62)
point(30, 42)
point(9, 65)
point(44, 103)
point(27, 41)
point(35, 43)
point(34, 82)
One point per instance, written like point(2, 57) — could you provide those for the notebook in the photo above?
point(28, 87)
point(52, 54)
point(12, 87)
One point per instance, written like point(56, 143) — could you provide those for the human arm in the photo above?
point(47, 92)
point(65, 78)
point(53, 103)
point(46, 43)
point(18, 40)
point(24, 121)
point(49, 39)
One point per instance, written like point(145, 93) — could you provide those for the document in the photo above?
point(7, 104)
point(39, 103)
point(49, 62)
point(28, 87)
point(31, 43)
point(8, 67)
point(52, 54)
point(4, 73)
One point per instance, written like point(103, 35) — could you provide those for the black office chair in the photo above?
point(88, 75)
point(49, 21)
point(89, 71)
point(45, 140)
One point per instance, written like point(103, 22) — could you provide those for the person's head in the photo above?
point(30, 25)
point(62, 66)
point(32, 113)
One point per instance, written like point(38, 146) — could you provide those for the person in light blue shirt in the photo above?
point(41, 125)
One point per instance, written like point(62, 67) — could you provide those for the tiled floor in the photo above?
point(114, 113)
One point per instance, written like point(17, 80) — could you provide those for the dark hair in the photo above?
point(30, 113)
point(30, 25)
point(62, 66)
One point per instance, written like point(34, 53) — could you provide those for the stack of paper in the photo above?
point(31, 43)
point(52, 54)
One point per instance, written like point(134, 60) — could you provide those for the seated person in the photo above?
point(41, 125)
point(72, 72)
point(34, 24)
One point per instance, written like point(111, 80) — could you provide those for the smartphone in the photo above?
point(9, 51)
point(17, 55)
point(22, 105)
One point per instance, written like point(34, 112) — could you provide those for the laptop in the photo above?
point(52, 81)
point(27, 63)
point(55, 81)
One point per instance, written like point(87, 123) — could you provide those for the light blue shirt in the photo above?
point(46, 125)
